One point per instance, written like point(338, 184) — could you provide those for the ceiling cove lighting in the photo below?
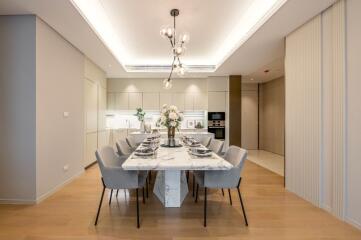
point(258, 12)
point(178, 48)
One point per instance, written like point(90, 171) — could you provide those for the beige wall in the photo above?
point(17, 108)
point(272, 116)
point(59, 89)
point(249, 116)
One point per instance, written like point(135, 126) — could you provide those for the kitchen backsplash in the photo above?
point(126, 119)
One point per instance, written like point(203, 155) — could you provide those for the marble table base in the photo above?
point(171, 187)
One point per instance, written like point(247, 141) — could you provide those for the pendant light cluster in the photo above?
point(178, 48)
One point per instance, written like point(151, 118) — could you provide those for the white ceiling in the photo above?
point(137, 24)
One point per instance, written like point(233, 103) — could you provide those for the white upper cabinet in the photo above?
point(111, 101)
point(189, 102)
point(121, 101)
point(151, 101)
point(135, 101)
point(200, 101)
point(217, 101)
point(165, 98)
point(178, 100)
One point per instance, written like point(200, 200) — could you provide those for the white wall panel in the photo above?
point(353, 96)
point(303, 110)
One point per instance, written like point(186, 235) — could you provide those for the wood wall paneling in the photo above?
point(235, 111)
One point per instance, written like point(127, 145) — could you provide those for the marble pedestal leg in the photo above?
point(171, 187)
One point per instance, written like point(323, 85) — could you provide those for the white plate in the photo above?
point(202, 154)
point(143, 154)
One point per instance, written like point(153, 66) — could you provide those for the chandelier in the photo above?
point(178, 48)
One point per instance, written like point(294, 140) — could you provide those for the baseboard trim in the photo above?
point(17, 201)
point(90, 165)
point(58, 187)
point(353, 223)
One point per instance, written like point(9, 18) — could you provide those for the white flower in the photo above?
point(173, 115)
point(173, 124)
point(164, 106)
point(163, 118)
point(173, 108)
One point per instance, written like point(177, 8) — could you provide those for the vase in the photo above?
point(171, 132)
point(142, 127)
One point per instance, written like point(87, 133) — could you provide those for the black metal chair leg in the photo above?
point(230, 198)
point(197, 193)
point(222, 192)
point(117, 193)
point(100, 205)
point(205, 207)
point(110, 198)
point(150, 177)
point(143, 196)
point(147, 187)
point(187, 176)
point(244, 212)
point(194, 184)
point(137, 208)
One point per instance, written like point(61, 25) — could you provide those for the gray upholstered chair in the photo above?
point(223, 178)
point(115, 177)
point(131, 142)
point(216, 146)
point(123, 148)
point(206, 140)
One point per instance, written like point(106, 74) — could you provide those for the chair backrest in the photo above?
point(206, 140)
point(131, 142)
point(229, 178)
point(236, 156)
point(110, 167)
point(123, 148)
point(216, 146)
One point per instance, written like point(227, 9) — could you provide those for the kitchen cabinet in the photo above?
point(195, 101)
point(135, 101)
point(217, 101)
point(189, 102)
point(121, 101)
point(165, 98)
point(111, 101)
point(200, 101)
point(178, 99)
point(151, 101)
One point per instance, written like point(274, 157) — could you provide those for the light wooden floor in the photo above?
point(273, 213)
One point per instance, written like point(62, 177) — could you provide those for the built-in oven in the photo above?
point(216, 124)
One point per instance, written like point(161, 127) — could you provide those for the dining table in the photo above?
point(171, 163)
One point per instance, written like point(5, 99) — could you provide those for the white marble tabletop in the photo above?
point(176, 159)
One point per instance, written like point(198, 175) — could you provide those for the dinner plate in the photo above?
point(209, 154)
point(143, 153)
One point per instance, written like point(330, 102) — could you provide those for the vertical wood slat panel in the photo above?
point(339, 83)
point(303, 110)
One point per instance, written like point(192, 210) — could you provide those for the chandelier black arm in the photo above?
point(171, 71)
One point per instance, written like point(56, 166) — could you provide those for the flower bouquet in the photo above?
point(171, 118)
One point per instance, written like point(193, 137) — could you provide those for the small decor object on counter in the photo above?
point(171, 118)
point(140, 115)
point(199, 124)
point(190, 123)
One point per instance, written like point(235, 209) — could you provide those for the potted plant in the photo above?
point(140, 115)
point(171, 118)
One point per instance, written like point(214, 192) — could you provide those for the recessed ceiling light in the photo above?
point(254, 17)
point(266, 71)
point(252, 79)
